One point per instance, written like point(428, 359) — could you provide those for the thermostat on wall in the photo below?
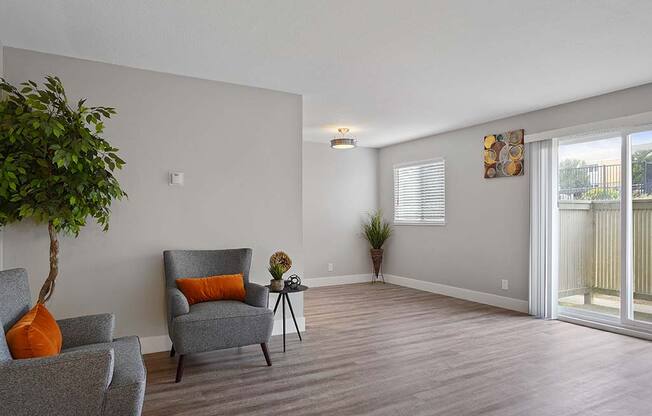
point(176, 178)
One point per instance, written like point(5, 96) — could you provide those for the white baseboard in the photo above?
point(337, 280)
point(162, 342)
point(460, 293)
point(452, 291)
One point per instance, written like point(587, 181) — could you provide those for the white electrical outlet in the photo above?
point(505, 284)
point(330, 267)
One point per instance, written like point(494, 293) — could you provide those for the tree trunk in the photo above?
point(48, 287)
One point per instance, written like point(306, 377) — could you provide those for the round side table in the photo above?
point(284, 296)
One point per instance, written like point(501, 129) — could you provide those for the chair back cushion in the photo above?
point(207, 289)
point(14, 303)
point(35, 335)
point(205, 263)
point(5, 355)
point(14, 296)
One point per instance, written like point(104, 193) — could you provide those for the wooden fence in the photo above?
point(589, 259)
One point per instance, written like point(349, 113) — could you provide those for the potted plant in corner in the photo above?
point(55, 167)
point(376, 231)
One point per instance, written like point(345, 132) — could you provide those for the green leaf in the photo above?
point(54, 166)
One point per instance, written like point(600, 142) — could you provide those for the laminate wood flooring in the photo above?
point(389, 350)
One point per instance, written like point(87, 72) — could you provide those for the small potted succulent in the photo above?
point(276, 270)
point(279, 263)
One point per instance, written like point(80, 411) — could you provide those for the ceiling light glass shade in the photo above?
point(343, 143)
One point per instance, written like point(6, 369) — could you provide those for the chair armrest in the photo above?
point(89, 329)
point(69, 383)
point(256, 295)
point(177, 303)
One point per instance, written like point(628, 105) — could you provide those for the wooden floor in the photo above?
point(388, 350)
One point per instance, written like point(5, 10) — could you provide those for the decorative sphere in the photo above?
point(293, 282)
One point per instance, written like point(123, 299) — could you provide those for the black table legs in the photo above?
point(294, 319)
point(283, 297)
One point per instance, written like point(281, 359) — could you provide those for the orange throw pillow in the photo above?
point(35, 335)
point(206, 289)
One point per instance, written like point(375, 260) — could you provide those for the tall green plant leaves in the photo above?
point(276, 270)
point(375, 230)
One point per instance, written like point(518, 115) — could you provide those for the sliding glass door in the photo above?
point(641, 178)
point(604, 203)
point(589, 224)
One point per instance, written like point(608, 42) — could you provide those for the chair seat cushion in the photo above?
point(220, 310)
point(221, 324)
point(127, 389)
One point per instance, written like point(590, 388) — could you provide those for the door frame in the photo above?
point(624, 322)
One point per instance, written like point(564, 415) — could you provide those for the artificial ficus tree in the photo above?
point(55, 168)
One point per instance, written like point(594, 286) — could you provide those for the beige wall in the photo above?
point(240, 149)
point(339, 188)
point(486, 235)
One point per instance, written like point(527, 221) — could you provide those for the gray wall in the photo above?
point(240, 149)
point(486, 235)
point(339, 188)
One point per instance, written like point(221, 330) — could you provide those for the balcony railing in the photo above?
point(590, 248)
point(602, 181)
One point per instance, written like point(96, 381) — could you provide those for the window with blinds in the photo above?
point(419, 193)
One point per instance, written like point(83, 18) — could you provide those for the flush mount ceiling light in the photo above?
point(343, 142)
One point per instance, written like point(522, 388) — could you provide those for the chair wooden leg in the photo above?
point(180, 368)
point(172, 351)
point(266, 353)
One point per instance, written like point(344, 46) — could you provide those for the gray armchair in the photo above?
point(94, 374)
point(209, 326)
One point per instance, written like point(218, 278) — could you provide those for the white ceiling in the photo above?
point(389, 70)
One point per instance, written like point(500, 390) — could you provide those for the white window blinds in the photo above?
point(419, 192)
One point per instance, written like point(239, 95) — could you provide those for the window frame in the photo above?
point(434, 222)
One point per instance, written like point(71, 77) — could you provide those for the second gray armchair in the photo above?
point(219, 324)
